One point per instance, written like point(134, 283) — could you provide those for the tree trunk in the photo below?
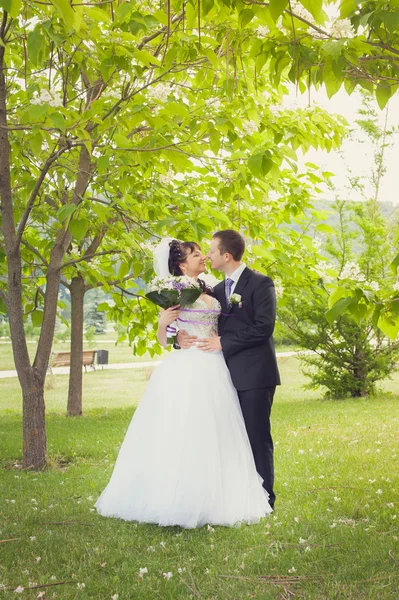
point(31, 379)
point(75, 375)
point(360, 372)
point(34, 431)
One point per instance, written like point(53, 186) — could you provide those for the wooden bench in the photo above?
point(63, 359)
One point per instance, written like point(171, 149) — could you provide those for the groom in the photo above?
point(245, 336)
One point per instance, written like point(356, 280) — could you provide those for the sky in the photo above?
point(354, 154)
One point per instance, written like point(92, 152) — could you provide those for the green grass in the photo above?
point(337, 486)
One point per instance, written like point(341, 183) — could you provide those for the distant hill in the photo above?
point(388, 210)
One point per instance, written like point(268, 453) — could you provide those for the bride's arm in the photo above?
point(166, 318)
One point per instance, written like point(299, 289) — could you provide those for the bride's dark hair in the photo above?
point(178, 252)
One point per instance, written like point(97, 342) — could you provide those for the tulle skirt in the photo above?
point(186, 458)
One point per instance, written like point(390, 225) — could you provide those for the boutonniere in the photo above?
point(235, 299)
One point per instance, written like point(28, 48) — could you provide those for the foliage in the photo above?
point(134, 103)
point(127, 124)
point(4, 327)
point(351, 352)
point(93, 317)
point(62, 335)
point(90, 334)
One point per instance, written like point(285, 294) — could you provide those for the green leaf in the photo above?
point(165, 299)
point(78, 228)
point(146, 58)
point(37, 111)
point(58, 120)
point(66, 211)
point(123, 270)
point(325, 228)
point(122, 141)
point(383, 94)
point(260, 164)
point(337, 294)
point(333, 48)
point(124, 11)
point(37, 318)
point(349, 86)
point(84, 136)
point(211, 56)
point(393, 306)
point(245, 17)
point(103, 307)
point(68, 15)
point(97, 14)
point(36, 46)
point(315, 8)
point(395, 264)
point(189, 296)
point(13, 7)
point(333, 85)
point(347, 7)
point(35, 142)
point(255, 164)
point(391, 19)
point(389, 326)
point(277, 8)
point(338, 308)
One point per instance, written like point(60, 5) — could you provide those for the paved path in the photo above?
point(133, 365)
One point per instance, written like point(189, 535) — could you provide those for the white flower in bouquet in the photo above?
point(173, 290)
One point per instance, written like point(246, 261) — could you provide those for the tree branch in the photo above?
point(151, 37)
point(35, 251)
point(92, 249)
point(89, 257)
point(128, 293)
point(65, 284)
point(110, 283)
point(3, 26)
point(35, 192)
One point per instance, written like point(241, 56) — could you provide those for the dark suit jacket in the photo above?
point(246, 333)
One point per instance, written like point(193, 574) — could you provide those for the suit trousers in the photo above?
point(256, 406)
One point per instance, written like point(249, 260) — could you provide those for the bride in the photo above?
point(186, 459)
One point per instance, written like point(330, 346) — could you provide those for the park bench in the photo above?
point(63, 359)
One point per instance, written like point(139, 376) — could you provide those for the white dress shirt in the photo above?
point(235, 276)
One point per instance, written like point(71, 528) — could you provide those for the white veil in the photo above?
point(161, 258)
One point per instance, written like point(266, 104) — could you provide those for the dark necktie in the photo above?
point(228, 285)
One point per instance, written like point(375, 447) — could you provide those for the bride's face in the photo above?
point(194, 263)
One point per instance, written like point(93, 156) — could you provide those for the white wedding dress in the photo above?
point(186, 458)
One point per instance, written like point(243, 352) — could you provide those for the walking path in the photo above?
point(133, 365)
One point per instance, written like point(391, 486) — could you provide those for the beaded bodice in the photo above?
point(199, 318)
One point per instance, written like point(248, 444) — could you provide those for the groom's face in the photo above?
point(218, 261)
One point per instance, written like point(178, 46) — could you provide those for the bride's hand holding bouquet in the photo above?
point(172, 294)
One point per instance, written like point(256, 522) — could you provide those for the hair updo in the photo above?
point(178, 252)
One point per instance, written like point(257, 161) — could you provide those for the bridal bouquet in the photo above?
point(172, 291)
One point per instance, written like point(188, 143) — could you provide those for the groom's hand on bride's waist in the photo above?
point(185, 340)
point(211, 344)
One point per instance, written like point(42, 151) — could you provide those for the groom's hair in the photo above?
point(232, 242)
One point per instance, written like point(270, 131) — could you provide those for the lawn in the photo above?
point(334, 533)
